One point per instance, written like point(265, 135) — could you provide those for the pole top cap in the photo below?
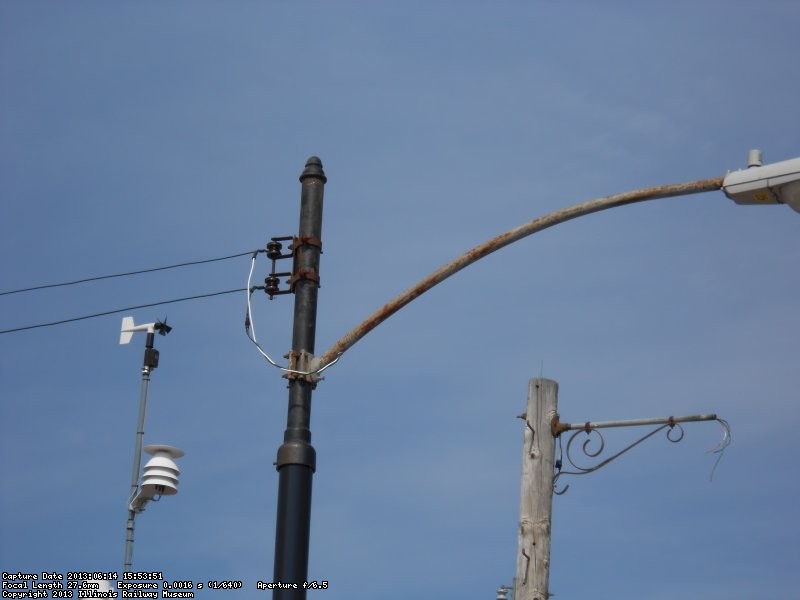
point(313, 169)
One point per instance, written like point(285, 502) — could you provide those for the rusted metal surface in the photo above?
point(301, 366)
point(509, 237)
point(305, 240)
point(303, 273)
point(557, 427)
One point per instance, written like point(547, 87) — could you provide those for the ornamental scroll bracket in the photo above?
point(594, 443)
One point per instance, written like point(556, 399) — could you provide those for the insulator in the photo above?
point(274, 250)
point(272, 285)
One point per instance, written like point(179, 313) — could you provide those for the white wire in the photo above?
point(251, 330)
point(251, 333)
point(719, 449)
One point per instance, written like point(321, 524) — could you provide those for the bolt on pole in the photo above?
point(536, 497)
point(296, 461)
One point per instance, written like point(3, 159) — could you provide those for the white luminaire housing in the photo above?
point(778, 183)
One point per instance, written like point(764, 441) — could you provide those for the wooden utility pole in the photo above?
point(536, 497)
point(542, 426)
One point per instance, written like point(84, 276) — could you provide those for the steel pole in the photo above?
point(296, 457)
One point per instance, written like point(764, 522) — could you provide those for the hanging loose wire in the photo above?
point(250, 329)
point(720, 448)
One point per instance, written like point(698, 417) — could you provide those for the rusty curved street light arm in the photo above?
point(504, 239)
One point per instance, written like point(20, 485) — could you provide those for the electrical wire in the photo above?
point(119, 310)
point(720, 448)
point(250, 329)
point(99, 277)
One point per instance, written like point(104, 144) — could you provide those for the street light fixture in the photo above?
point(778, 183)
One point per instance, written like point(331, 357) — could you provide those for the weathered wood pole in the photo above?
point(536, 497)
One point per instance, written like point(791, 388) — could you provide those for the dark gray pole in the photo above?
point(150, 363)
point(296, 457)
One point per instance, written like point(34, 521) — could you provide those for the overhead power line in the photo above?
point(119, 310)
point(99, 277)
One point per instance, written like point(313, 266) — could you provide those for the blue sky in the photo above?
point(136, 135)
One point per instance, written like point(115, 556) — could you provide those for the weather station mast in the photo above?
point(160, 476)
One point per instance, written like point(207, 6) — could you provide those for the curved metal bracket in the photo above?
point(674, 434)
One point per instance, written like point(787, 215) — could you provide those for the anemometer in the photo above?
point(160, 475)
